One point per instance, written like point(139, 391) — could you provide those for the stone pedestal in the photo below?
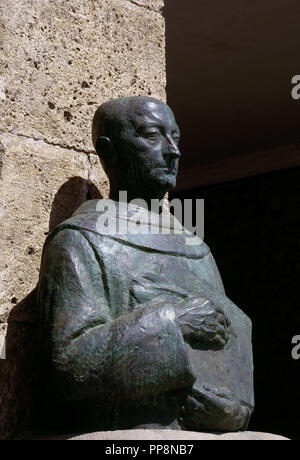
point(161, 435)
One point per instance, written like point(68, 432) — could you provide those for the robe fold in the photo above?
point(112, 347)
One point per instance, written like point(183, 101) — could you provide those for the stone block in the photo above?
point(154, 5)
point(40, 186)
point(61, 59)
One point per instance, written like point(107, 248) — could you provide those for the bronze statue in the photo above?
point(135, 329)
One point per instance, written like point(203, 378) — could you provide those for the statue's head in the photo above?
point(137, 139)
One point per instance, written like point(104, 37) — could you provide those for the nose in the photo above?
point(172, 149)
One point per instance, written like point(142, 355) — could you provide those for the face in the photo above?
point(148, 152)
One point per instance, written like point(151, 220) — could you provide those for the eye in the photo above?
point(151, 134)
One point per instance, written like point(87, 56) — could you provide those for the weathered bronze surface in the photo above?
point(135, 330)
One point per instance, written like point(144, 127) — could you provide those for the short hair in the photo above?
point(106, 116)
point(112, 115)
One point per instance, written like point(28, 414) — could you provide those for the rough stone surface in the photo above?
point(61, 59)
point(163, 435)
point(154, 5)
point(41, 186)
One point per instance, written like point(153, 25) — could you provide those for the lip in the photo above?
point(169, 170)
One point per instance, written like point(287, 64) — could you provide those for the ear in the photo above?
point(103, 147)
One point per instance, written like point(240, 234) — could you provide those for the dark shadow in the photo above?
point(252, 228)
point(218, 77)
point(69, 197)
point(19, 373)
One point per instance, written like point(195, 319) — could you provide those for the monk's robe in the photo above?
point(112, 349)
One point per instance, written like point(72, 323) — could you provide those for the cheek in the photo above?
point(141, 153)
point(147, 155)
point(152, 153)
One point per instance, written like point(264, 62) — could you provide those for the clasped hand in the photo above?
point(201, 322)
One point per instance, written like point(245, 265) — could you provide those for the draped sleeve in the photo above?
point(90, 354)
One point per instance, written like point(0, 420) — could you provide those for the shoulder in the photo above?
point(66, 243)
point(74, 228)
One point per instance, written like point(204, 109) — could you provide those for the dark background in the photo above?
point(229, 71)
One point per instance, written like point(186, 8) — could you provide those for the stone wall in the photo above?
point(60, 59)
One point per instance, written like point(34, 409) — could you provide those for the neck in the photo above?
point(117, 194)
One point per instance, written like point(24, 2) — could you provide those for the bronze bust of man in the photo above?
point(135, 328)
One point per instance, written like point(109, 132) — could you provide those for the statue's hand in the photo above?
point(202, 323)
point(212, 409)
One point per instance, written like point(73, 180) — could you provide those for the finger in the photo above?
point(221, 319)
point(214, 329)
point(140, 294)
point(215, 333)
point(219, 309)
point(226, 394)
point(208, 398)
point(203, 302)
point(144, 292)
point(153, 277)
point(210, 331)
point(221, 314)
point(194, 405)
point(222, 331)
point(215, 398)
point(219, 340)
point(217, 343)
point(141, 281)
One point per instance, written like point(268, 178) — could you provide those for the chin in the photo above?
point(165, 183)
